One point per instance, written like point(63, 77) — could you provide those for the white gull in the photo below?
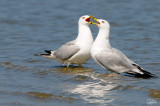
point(78, 50)
point(110, 58)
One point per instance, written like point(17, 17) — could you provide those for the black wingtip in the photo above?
point(48, 51)
point(146, 75)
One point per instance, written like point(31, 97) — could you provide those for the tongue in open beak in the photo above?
point(88, 19)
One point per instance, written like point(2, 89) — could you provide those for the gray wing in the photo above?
point(114, 60)
point(66, 51)
point(122, 56)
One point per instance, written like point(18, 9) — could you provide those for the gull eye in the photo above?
point(83, 17)
point(103, 22)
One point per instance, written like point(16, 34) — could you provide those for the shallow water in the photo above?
point(28, 27)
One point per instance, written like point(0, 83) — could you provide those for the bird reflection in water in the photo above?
point(99, 89)
point(94, 91)
point(72, 69)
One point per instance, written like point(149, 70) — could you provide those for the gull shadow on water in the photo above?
point(72, 69)
point(65, 66)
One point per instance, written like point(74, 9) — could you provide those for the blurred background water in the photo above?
point(28, 27)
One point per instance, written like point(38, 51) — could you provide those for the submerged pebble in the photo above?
point(155, 93)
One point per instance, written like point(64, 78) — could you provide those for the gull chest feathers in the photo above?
point(101, 43)
point(84, 40)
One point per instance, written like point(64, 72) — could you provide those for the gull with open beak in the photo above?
point(78, 50)
point(110, 58)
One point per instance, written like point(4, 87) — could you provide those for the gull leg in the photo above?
point(68, 64)
point(80, 65)
point(63, 64)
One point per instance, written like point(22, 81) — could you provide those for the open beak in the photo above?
point(96, 21)
point(88, 19)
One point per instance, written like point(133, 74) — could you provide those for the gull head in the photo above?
point(85, 19)
point(101, 23)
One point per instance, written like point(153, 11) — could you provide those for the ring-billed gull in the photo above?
point(110, 58)
point(78, 50)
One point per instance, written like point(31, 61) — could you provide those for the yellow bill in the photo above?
point(92, 17)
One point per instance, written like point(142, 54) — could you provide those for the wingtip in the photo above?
point(143, 74)
point(146, 75)
point(48, 51)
